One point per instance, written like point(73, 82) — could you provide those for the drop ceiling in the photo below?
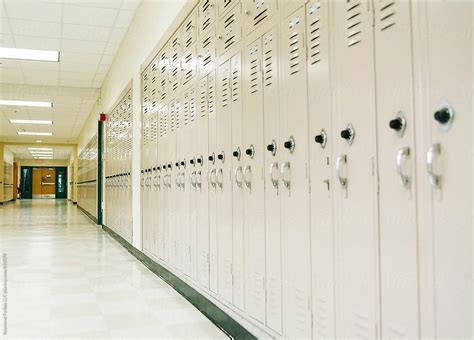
point(87, 34)
point(22, 152)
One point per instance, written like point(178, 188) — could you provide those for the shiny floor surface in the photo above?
point(67, 278)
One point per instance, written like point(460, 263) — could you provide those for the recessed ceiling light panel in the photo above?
point(40, 149)
point(7, 102)
point(27, 54)
point(29, 133)
point(31, 121)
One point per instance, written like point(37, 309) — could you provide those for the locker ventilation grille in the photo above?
point(230, 34)
point(294, 51)
point(235, 81)
point(354, 22)
point(203, 98)
point(260, 17)
point(174, 77)
point(314, 34)
point(172, 117)
point(189, 33)
point(227, 3)
point(186, 109)
point(254, 70)
point(211, 94)
point(207, 58)
point(387, 15)
point(192, 106)
point(268, 63)
point(175, 50)
point(225, 91)
point(188, 67)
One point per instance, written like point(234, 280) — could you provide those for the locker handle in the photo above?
point(272, 168)
point(199, 183)
point(341, 160)
point(248, 171)
point(402, 155)
point(236, 177)
point(433, 152)
point(192, 179)
point(284, 170)
point(212, 177)
point(141, 182)
point(220, 174)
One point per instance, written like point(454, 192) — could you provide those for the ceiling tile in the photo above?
point(23, 41)
point(77, 75)
point(111, 48)
point(97, 4)
point(107, 59)
point(124, 18)
point(130, 4)
point(82, 58)
point(4, 27)
point(77, 67)
point(93, 16)
point(35, 28)
point(75, 83)
point(28, 65)
point(83, 32)
point(117, 35)
point(82, 46)
point(6, 40)
point(103, 68)
point(36, 10)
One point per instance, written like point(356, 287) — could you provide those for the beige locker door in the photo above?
point(237, 193)
point(397, 195)
point(271, 126)
point(211, 180)
point(229, 30)
point(189, 66)
point(256, 13)
point(354, 162)
point(189, 31)
point(253, 182)
point(207, 52)
point(443, 49)
point(202, 169)
point(174, 48)
point(223, 185)
point(163, 149)
point(223, 6)
point(294, 177)
point(206, 15)
point(191, 181)
point(173, 188)
point(320, 148)
point(289, 6)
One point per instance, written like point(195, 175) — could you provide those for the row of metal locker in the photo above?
point(118, 168)
point(304, 163)
point(87, 177)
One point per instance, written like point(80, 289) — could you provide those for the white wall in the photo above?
point(8, 155)
point(151, 21)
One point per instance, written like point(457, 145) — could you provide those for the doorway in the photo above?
point(43, 182)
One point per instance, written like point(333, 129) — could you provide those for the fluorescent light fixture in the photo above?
point(27, 54)
point(40, 149)
point(43, 157)
point(29, 133)
point(39, 141)
point(31, 121)
point(42, 153)
point(6, 102)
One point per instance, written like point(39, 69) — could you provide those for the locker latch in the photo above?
point(321, 139)
point(399, 124)
point(348, 134)
point(290, 144)
point(272, 147)
point(445, 116)
point(237, 153)
point(250, 151)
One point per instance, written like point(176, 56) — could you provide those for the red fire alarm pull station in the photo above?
point(102, 117)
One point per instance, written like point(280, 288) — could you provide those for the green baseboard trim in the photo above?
point(88, 214)
point(216, 315)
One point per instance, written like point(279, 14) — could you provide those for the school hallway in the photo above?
point(66, 277)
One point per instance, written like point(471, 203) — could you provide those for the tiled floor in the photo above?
point(67, 278)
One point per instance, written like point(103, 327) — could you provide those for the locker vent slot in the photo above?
point(236, 83)
point(192, 107)
point(227, 3)
point(387, 15)
point(174, 77)
point(211, 95)
point(225, 91)
point(230, 34)
point(172, 117)
point(268, 68)
point(186, 110)
point(294, 42)
point(254, 71)
point(260, 17)
point(207, 53)
point(314, 34)
point(203, 99)
point(354, 22)
point(189, 34)
point(153, 92)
